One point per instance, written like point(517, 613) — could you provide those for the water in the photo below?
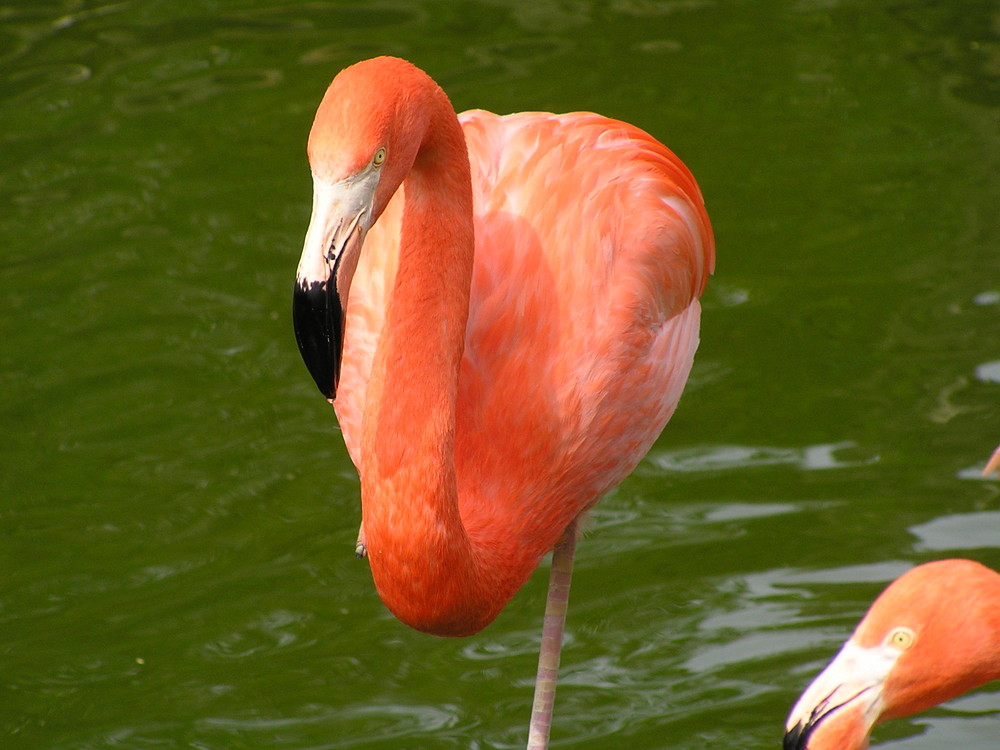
point(178, 513)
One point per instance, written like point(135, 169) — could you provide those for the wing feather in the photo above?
point(592, 247)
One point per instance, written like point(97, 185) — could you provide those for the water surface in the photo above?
point(178, 512)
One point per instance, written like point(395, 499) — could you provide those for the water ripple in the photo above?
point(507, 645)
point(959, 532)
point(721, 457)
point(272, 630)
point(351, 725)
point(41, 76)
point(188, 91)
point(989, 372)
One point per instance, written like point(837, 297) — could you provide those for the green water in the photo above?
point(178, 513)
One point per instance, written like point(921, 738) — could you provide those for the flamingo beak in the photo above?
point(340, 219)
point(843, 703)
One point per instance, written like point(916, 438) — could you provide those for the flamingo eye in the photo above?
point(901, 638)
point(379, 157)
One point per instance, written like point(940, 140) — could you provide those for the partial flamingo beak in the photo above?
point(843, 703)
point(340, 219)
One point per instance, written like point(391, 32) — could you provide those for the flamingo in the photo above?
point(993, 465)
point(503, 312)
point(932, 635)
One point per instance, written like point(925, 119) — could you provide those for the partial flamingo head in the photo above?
point(364, 141)
point(373, 114)
point(933, 634)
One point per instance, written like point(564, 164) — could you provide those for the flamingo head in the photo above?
point(931, 635)
point(364, 141)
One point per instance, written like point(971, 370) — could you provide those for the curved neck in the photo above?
point(424, 566)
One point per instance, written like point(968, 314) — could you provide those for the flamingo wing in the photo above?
point(592, 247)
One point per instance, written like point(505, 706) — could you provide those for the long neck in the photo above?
point(423, 564)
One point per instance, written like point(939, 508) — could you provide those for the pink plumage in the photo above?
point(518, 330)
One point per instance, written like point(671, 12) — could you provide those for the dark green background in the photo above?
point(177, 512)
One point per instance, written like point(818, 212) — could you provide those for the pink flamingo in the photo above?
point(993, 465)
point(933, 634)
point(503, 312)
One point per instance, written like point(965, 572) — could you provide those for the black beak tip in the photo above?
point(318, 321)
point(796, 737)
point(327, 388)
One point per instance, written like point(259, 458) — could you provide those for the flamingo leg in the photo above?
point(553, 625)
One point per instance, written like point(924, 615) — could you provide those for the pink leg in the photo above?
point(552, 632)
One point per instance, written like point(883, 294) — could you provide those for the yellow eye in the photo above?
point(902, 638)
point(379, 157)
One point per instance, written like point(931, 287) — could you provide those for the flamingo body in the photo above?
point(933, 634)
point(504, 312)
point(580, 335)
